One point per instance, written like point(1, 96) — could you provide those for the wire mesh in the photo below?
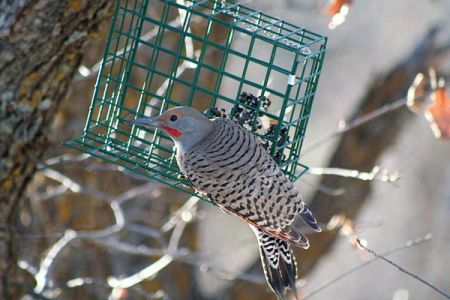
point(220, 57)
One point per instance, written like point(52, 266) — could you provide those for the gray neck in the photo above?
point(193, 134)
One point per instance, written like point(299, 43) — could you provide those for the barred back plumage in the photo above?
point(226, 162)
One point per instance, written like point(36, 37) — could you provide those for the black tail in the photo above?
point(278, 261)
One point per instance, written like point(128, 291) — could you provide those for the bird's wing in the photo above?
point(245, 181)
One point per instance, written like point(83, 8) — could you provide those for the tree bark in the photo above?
point(41, 44)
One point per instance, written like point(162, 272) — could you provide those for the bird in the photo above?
point(226, 162)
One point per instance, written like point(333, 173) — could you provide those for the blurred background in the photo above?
point(92, 230)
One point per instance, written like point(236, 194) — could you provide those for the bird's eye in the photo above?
point(173, 118)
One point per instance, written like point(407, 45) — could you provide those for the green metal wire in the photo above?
point(129, 86)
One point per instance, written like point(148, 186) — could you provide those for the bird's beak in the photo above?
point(149, 121)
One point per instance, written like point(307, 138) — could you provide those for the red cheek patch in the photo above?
point(172, 131)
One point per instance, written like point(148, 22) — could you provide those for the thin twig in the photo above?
point(92, 166)
point(46, 265)
point(71, 185)
point(401, 269)
point(85, 73)
point(183, 215)
point(347, 126)
point(384, 175)
point(41, 276)
point(65, 158)
point(407, 245)
point(324, 189)
point(84, 281)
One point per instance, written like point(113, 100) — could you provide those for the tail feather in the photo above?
point(279, 265)
point(296, 237)
point(309, 219)
point(289, 265)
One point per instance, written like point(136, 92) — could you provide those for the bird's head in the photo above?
point(185, 125)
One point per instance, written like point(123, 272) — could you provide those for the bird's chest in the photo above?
point(194, 174)
point(180, 161)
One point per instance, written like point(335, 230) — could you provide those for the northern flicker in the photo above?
point(225, 161)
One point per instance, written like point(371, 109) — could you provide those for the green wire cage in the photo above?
point(220, 57)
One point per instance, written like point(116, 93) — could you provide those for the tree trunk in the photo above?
point(40, 49)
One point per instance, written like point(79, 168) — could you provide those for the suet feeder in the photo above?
point(220, 57)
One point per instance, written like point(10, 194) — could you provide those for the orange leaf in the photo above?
point(335, 6)
point(438, 113)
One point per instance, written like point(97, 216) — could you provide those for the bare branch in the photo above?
point(137, 191)
point(184, 212)
point(401, 269)
point(376, 174)
point(72, 185)
point(85, 281)
point(85, 73)
point(41, 276)
point(407, 245)
point(324, 189)
point(65, 158)
point(347, 126)
point(149, 271)
point(178, 222)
